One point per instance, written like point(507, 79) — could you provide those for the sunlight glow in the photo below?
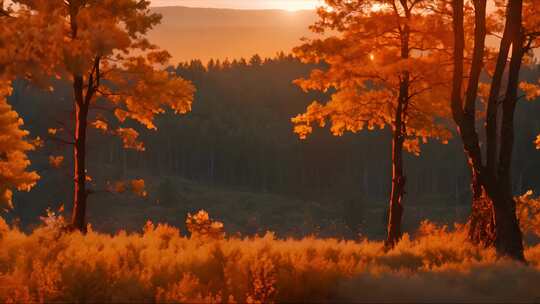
point(376, 7)
point(293, 6)
point(288, 5)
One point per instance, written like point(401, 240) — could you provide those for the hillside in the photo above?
point(206, 33)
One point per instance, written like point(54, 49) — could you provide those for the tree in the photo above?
point(493, 219)
point(112, 68)
point(23, 54)
point(383, 71)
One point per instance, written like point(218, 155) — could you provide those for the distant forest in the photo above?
point(239, 136)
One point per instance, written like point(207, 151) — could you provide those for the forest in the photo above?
point(391, 158)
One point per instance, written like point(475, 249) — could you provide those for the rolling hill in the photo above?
point(205, 33)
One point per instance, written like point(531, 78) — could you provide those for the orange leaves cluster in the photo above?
point(100, 125)
point(136, 186)
point(528, 212)
point(362, 48)
point(348, 110)
point(412, 145)
point(531, 21)
point(143, 92)
point(56, 161)
point(25, 52)
point(26, 43)
point(14, 145)
point(52, 131)
point(102, 44)
point(532, 92)
point(130, 138)
point(200, 225)
point(110, 50)
point(139, 91)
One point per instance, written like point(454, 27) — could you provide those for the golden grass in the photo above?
point(160, 265)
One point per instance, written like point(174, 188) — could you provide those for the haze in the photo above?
point(205, 33)
point(242, 4)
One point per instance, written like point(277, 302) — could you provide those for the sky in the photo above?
point(290, 5)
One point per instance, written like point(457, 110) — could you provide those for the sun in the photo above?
point(293, 6)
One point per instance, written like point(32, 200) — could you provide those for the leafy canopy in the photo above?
point(24, 53)
point(123, 75)
point(362, 44)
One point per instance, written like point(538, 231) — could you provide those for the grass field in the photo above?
point(159, 265)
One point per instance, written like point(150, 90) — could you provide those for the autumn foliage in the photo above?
point(385, 70)
point(14, 144)
point(364, 54)
point(400, 66)
point(160, 265)
point(101, 49)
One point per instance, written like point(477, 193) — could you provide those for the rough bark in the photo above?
point(481, 222)
point(482, 218)
point(493, 219)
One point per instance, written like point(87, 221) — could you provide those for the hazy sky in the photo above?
point(243, 4)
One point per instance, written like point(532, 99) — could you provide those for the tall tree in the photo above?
point(383, 71)
point(493, 219)
point(113, 68)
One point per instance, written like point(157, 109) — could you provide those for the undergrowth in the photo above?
point(436, 264)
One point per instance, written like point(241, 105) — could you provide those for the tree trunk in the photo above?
point(492, 141)
point(509, 239)
point(398, 189)
point(79, 155)
point(398, 137)
point(481, 220)
point(493, 219)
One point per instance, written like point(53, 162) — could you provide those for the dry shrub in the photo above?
point(528, 211)
point(262, 281)
point(436, 264)
point(201, 225)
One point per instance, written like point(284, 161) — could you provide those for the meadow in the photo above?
point(159, 264)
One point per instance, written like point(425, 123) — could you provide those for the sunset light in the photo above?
point(377, 7)
point(269, 151)
point(297, 5)
point(288, 5)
